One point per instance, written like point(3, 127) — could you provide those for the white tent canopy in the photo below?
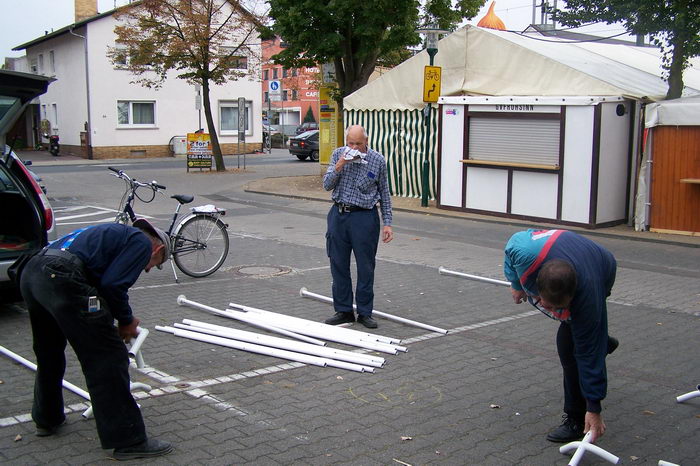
point(477, 61)
point(676, 112)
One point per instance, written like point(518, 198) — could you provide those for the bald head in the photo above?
point(356, 138)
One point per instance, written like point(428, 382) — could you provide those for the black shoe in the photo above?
point(146, 449)
point(341, 318)
point(613, 343)
point(48, 431)
point(568, 431)
point(367, 321)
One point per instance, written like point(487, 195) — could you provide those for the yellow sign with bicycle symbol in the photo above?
point(432, 76)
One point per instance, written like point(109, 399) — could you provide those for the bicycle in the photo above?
point(199, 241)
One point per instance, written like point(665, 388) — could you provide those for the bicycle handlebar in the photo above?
point(153, 184)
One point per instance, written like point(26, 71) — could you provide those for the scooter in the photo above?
point(54, 146)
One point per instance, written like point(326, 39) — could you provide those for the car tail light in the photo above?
point(48, 212)
point(302, 144)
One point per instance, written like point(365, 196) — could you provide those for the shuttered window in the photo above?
point(514, 140)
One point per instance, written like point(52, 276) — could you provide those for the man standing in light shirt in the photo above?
point(357, 175)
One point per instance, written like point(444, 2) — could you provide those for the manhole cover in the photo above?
point(261, 271)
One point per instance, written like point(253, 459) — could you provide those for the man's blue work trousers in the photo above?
point(357, 232)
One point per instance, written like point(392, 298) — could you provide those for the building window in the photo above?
point(295, 95)
point(136, 113)
point(274, 73)
point(267, 96)
point(294, 72)
point(54, 116)
point(121, 55)
point(266, 75)
point(52, 63)
point(34, 66)
point(228, 117)
point(284, 95)
point(41, 63)
point(284, 72)
point(238, 62)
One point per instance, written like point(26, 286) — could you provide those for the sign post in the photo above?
point(198, 151)
point(241, 129)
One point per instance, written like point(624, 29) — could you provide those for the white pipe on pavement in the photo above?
point(67, 385)
point(304, 293)
point(320, 333)
point(376, 360)
point(259, 349)
point(281, 343)
point(183, 301)
point(585, 445)
point(274, 316)
point(135, 349)
point(689, 395)
point(493, 281)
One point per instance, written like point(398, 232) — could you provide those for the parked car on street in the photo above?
point(305, 145)
point(308, 126)
point(29, 219)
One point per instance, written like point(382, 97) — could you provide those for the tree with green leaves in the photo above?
point(674, 26)
point(354, 36)
point(206, 42)
point(309, 117)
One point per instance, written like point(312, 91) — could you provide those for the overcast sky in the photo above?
point(25, 20)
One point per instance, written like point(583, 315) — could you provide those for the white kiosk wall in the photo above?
point(556, 159)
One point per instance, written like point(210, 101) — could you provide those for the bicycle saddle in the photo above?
point(183, 198)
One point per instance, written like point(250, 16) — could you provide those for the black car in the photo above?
point(305, 146)
point(28, 223)
point(304, 127)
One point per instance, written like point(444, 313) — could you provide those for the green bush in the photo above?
point(279, 140)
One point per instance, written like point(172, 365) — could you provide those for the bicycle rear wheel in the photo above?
point(200, 246)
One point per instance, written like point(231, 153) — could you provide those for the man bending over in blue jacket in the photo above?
point(568, 278)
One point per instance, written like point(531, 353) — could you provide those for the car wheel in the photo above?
point(314, 156)
point(301, 157)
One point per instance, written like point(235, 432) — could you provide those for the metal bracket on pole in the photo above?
point(584, 446)
point(689, 395)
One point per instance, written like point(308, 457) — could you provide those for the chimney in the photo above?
point(85, 9)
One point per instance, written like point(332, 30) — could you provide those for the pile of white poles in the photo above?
point(309, 350)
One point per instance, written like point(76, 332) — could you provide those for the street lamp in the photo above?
point(432, 34)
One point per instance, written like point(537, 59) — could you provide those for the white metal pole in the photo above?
point(281, 343)
point(688, 396)
point(322, 333)
point(317, 329)
point(377, 360)
point(135, 349)
point(259, 349)
point(493, 281)
point(67, 385)
point(183, 301)
point(305, 293)
point(585, 445)
point(274, 316)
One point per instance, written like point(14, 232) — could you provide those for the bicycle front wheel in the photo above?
point(200, 246)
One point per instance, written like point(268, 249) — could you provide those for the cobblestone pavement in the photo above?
point(486, 393)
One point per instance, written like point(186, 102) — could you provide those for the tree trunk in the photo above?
point(215, 147)
point(675, 75)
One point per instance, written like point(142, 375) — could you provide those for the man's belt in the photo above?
point(69, 256)
point(349, 208)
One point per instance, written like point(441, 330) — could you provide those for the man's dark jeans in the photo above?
point(56, 292)
point(353, 232)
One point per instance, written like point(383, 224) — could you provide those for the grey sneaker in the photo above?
point(48, 431)
point(146, 449)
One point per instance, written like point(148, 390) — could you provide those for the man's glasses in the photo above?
point(536, 304)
